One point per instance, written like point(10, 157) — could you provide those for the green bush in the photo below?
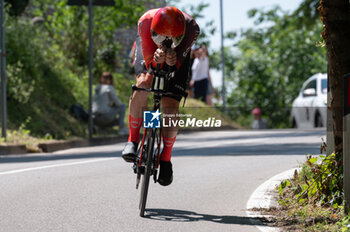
point(319, 182)
point(39, 84)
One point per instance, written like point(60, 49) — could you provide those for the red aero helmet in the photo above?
point(168, 22)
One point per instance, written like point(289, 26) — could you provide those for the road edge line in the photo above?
point(262, 197)
point(15, 171)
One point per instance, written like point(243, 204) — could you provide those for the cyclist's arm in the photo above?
point(147, 44)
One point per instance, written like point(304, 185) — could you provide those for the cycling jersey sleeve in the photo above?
point(147, 44)
point(191, 35)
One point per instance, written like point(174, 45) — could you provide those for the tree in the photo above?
point(196, 11)
point(336, 19)
point(273, 62)
point(335, 15)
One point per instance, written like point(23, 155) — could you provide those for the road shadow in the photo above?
point(224, 150)
point(250, 150)
point(189, 216)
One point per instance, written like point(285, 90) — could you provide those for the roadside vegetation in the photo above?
point(313, 199)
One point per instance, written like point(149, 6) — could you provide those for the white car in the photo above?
point(309, 109)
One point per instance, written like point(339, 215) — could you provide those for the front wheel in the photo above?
point(148, 172)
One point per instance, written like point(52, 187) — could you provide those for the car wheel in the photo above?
point(294, 123)
point(318, 120)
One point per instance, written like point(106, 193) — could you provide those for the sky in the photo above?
point(235, 18)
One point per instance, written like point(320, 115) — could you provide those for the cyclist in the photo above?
point(156, 29)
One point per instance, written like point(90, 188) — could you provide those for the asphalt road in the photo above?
point(93, 189)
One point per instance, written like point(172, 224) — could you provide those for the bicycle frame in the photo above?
point(159, 84)
point(149, 166)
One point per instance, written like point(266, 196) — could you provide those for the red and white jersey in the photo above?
point(149, 47)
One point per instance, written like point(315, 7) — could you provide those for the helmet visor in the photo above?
point(161, 39)
point(158, 39)
point(177, 40)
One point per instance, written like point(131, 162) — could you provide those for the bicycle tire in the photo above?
point(148, 172)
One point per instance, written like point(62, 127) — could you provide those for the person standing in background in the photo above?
point(210, 90)
point(258, 123)
point(107, 109)
point(193, 55)
point(200, 74)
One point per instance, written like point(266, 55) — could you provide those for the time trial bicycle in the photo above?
point(147, 163)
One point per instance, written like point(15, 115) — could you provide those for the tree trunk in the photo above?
point(335, 16)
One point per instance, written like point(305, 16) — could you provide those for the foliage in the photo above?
point(24, 69)
point(16, 7)
point(67, 27)
point(47, 63)
point(36, 84)
point(206, 30)
point(320, 182)
point(269, 64)
point(307, 13)
point(313, 198)
point(345, 224)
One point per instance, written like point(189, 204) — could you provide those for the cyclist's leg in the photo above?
point(170, 109)
point(170, 106)
point(138, 100)
point(137, 104)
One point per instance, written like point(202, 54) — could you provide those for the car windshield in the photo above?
point(324, 85)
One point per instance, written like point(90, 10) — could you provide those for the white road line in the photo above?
point(53, 166)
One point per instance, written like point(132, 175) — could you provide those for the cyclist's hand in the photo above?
point(170, 57)
point(159, 55)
